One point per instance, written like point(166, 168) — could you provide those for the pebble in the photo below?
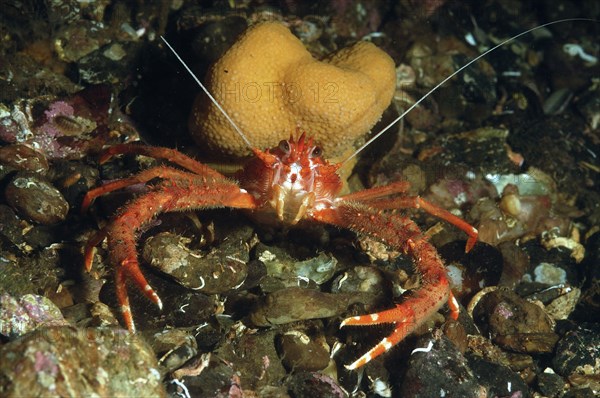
point(578, 356)
point(514, 323)
point(589, 106)
point(285, 271)
point(484, 348)
point(470, 272)
point(550, 384)
point(588, 307)
point(483, 149)
point(561, 307)
point(296, 304)
point(24, 314)
point(438, 369)
point(23, 157)
point(174, 347)
point(301, 352)
point(12, 228)
point(222, 269)
point(515, 264)
point(253, 356)
point(549, 274)
point(362, 279)
point(36, 199)
point(307, 384)
point(65, 361)
point(499, 380)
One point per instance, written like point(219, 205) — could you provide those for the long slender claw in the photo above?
point(404, 318)
point(198, 187)
point(123, 298)
point(132, 269)
point(90, 249)
point(453, 305)
point(399, 314)
point(85, 203)
point(374, 352)
point(401, 330)
point(88, 256)
point(151, 294)
point(472, 239)
point(129, 268)
point(128, 317)
point(360, 320)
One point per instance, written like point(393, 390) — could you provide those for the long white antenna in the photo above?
point(366, 144)
point(214, 101)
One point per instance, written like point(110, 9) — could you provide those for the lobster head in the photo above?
point(292, 178)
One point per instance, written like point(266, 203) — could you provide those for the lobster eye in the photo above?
point(316, 152)
point(284, 145)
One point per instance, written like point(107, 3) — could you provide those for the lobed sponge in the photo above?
point(272, 86)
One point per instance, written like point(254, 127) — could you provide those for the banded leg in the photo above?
point(417, 202)
point(168, 154)
point(123, 230)
point(403, 234)
point(143, 177)
point(371, 194)
point(90, 248)
point(376, 197)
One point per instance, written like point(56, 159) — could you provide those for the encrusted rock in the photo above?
point(36, 199)
point(64, 361)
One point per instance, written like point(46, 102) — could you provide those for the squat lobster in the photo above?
point(291, 183)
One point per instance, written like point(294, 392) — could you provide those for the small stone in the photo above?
point(114, 52)
point(22, 157)
point(12, 229)
point(295, 304)
point(561, 307)
point(365, 279)
point(549, 274)
point(578, 356)
point(301, 352)
point(499, 380)
point(65, 361)
point(36, 198)
point(222, 269)
point(514, 323)
point(22, 315)
point(253, 356)
point(472, 271)
point(528, 342)
point(285, 271)
point(174, 347)
point(101, 314)
point(550, 384)
point(306, 384)
point(438, 369)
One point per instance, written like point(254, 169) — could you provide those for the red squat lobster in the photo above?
point(291, 182)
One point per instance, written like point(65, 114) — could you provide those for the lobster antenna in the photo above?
point(214, 101)
point(366, 144)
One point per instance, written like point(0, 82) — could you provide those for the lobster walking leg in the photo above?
point(403, 234)
point(171, 155)
point(162, 172)
point(379, 197)
point(417, 202)
point(122, 231)
point(371, 194)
